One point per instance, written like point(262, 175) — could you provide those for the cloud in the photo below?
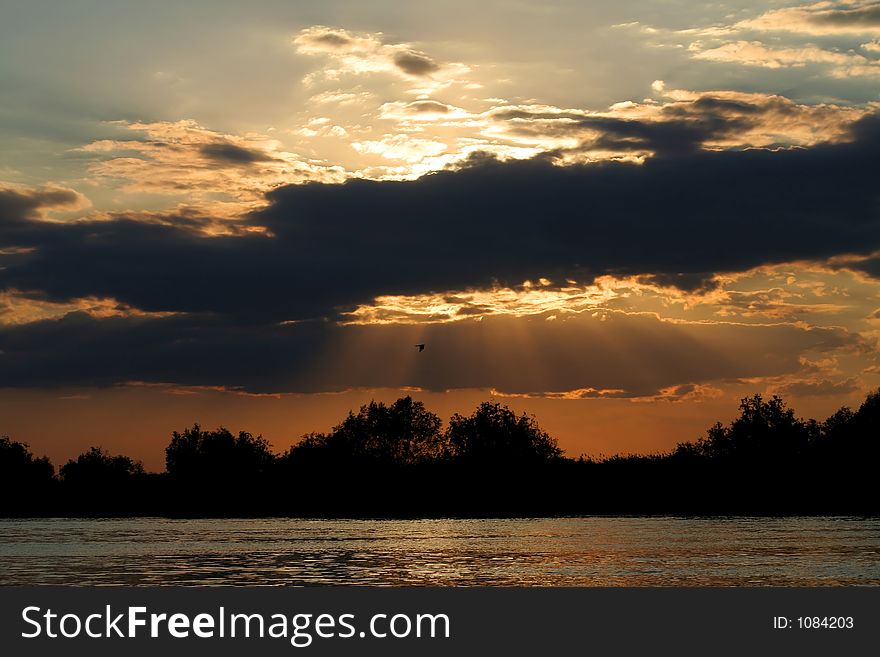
point(353, 53)
point(329, 248)
point(340, 97)
point(755, 53)
point(211, 173)
point(202, 166)
point(431, 135)
point(864, 265)
point(818, 388)
point(684, 121)
point(784, 39)
point(401, 147)
point(623, 356)
point(19, 202)
point(422, 110)
point(414, 63)
point(214, 173)
point(141, 298)
point(17, 308)
point(528, 299)
point(819, 19)
point(869, 265)
point(231, 154)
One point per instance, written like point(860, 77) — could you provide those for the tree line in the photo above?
point(398, 460)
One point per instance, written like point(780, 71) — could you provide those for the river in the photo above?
point(592, 551)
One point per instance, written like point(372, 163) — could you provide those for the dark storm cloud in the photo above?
point(679, 128)
point(160, 265)
point(17, 205)
point(622, 356)
point(329, 247)
point(334, 246)
point(662, 138)
point(226, 153)
point(672, 136)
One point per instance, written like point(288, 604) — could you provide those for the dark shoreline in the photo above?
point(398, 461)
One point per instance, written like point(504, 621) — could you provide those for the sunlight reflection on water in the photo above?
point(596, 551)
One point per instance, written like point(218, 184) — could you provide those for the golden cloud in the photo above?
point(820, 19)
point(755, 53)
point(183, 158)
point(355, 53)
point(18, 308)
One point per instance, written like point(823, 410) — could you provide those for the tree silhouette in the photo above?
point(849, 434)
point(867, 420)
point(395, 460)
point(25, 481)
point(216, 456)
point(97, 468)
point(494, 433)
point(402, 434)
point(765, 432)
point(98, 483)
point(218, 473)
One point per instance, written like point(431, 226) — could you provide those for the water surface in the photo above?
point(596, 551)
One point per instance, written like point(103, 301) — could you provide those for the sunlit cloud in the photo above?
point(529, 299)
point(755, 53)
point(856, 17)
point(18, 308)
point(401, 147)
point(352, 53)
point(797, 292)
point(356, 129)
point(678, 120)
point(577, 393)
point(178, 390)
point(227, 173)
point(423, 110)
point(341, 98)
point(430, 134)
point(784, 38)
point(444, 127)
point(685, 392)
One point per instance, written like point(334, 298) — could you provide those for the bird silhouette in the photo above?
point(421, 347)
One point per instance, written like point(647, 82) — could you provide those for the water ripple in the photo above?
point(596, 551)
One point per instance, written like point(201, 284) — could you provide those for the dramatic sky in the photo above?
point(619, 216)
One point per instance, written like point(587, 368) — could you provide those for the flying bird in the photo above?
point(421, 347)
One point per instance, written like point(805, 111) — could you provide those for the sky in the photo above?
point(622, 217)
